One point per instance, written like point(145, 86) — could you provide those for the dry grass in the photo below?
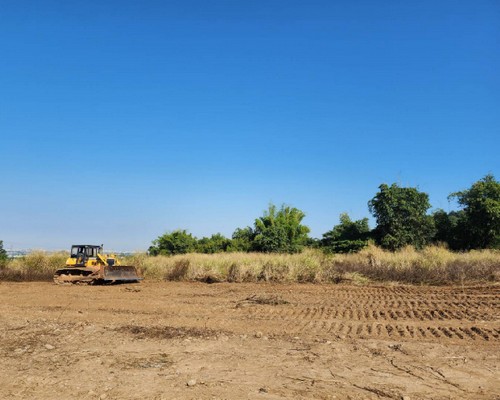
point(433, 265)
point(232, 267)
point(36, 266)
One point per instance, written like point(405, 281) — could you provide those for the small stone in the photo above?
point(191, 382)
point(49, 347)
point(328, 342)
point(296, 338)
point(263, 390)
point(405, 398)
point(258, 335)
point(103, 396)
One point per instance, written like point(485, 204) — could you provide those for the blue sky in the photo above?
point(121, 120)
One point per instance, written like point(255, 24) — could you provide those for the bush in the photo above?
point(347, 237)
point(214, 244)
point(176, 242)
point(3, 255)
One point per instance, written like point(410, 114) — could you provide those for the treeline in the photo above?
point(3, 255)
point(402, 218)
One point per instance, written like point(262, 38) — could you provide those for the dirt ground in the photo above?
point(248, 341)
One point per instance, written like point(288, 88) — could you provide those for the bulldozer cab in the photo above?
point(84, 251)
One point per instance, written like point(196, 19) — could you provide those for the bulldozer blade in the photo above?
point(120, 273)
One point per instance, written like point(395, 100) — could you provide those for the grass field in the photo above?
point(433, 265)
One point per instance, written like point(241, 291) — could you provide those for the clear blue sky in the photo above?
point(121, 120)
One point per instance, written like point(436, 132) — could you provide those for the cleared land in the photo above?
point(247, 340)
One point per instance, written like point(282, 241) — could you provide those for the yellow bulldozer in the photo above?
point(88, 264)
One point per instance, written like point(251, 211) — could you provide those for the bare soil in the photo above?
point(248, 341)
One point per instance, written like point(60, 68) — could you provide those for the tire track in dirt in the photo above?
point(406, 313)
point(329, 312)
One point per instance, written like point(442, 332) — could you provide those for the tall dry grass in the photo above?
point(36, 266)
point(434, 265)
point(232, 267)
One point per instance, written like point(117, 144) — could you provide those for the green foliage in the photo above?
point(481, 207)
point(216, 243)
point(3, 255)
point(176, 242)
point(313, 243)
point(347, 237)
point(280, 230)
point(450, 228)
point(346, 246)
point(242, 239)
point(402, 218)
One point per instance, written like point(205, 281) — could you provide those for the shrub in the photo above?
point(176, 242)
point(346, 237)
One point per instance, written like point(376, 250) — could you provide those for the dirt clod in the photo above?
point(273, 300)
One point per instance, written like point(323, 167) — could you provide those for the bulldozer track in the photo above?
point(391, 313)
point(322, 311)
point(291, 340)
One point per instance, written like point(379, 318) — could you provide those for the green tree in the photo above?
point(450, 228)
point(216, 243)
point(171, 243)
point(401, 215)
point(481, 205)
point(348, 236)
point(280, 230)
point(242, 239)
point(3, 254)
